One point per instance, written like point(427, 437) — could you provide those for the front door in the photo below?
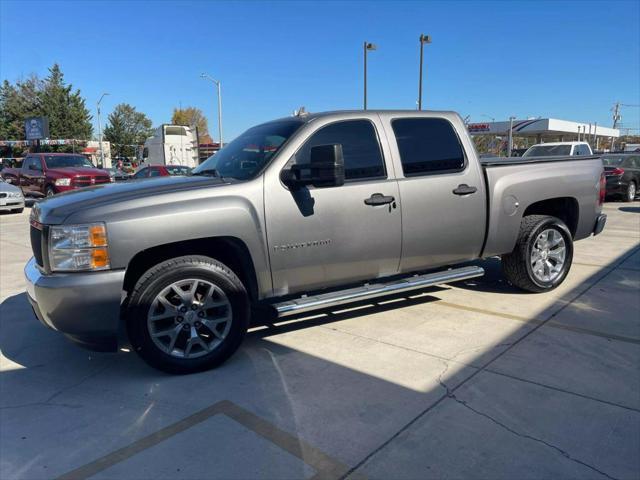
point(32, 176)
point(320, 237)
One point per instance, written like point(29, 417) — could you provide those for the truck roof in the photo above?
point(307, 117)
point(560, 143)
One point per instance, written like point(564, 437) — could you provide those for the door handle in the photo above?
point(379, 199)
point(464, 189)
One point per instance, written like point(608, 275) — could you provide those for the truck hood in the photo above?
point(77, 172)
point(56, 209)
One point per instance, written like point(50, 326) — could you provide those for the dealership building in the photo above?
point(540, 130)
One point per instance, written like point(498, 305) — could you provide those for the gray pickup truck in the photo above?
point(299, 214)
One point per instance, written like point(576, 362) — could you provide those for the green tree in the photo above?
point(18, 102)
point(66, 110)
point(125, 127)
point(191, 117)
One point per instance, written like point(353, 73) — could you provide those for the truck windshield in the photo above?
point(63, 161)
point(247, 155)
point(548, 150)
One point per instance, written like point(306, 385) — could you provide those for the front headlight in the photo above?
point(63, 182)
point(15, 194)
point(78, 247)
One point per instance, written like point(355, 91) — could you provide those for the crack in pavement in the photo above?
point(451, 395)
point(485, 366)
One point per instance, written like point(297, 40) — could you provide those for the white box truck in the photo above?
point(172, 145)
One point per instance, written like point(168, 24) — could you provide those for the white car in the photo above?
point(554, 149)
point(11, 198)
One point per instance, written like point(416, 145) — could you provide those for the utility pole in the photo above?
point(423, 39)
point(616, 119)
point(367, 47)
point(100, 130)
point(510, 143)
point(217, 84)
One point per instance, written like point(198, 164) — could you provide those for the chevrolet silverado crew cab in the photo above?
point(45, 174)
point(298, 214)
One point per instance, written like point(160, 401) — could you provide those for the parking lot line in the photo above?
point(325, 466)
point(535, 321)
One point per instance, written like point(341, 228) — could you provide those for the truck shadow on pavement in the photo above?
point(379, 389)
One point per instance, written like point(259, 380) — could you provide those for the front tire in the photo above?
point(187, 314)
point(542, 256)
point(50, 192)
point(17, 210)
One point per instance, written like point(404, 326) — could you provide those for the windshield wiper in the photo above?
point(210, 172)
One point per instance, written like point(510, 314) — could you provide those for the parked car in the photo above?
point(11, 198)
point(117, 175)
point(45, 174)
point(298, 214)
point(623, 175)
point(558, 148)
point(161, 171)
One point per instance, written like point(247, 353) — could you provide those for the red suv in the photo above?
point(50, 173)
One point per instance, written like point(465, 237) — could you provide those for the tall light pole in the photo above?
point(423, 39)
point(100, 130)
point(367, 46)
point(510, 143)
point(217, 84)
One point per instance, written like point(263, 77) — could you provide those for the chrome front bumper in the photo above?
point(85, 306)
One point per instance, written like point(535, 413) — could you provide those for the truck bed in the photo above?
point(514, 184)
point(501, 161)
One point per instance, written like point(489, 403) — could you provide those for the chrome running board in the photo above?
point(332, 299)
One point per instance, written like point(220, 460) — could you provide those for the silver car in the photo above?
point(11, 198)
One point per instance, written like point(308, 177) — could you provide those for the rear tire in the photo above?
point(542, 256)
point(181, 328)
point(630, 196)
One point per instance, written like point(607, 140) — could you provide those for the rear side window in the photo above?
point(360, 148)
point(428, 146)
point(154, 172)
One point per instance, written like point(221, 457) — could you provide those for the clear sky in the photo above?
point(568, 60)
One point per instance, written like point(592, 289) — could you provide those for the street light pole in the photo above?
point(510, 144)
point(423, 39)
point(367, 46)
point(100, 130)
point(219, 87)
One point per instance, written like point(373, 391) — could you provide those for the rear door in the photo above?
point(322, 237)
point(442, 190)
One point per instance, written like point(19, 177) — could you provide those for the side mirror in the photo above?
point(326, 168)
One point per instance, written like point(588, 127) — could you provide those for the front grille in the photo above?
point(3, 195)
point(85, 181)
point(36, 245)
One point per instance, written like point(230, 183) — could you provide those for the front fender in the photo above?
point(225, 211)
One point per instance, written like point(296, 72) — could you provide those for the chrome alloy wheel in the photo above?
point(548, 255)
point(189, 318)
point(631, 192)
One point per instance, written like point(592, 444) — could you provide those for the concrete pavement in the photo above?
point(473, 380)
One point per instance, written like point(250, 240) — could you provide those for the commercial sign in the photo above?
point(36, 128)
point(479, 127)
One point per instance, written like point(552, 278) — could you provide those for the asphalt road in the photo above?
point(472, 380)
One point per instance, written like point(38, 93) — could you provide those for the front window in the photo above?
point(247, 155)
point(64, 161)
point(548, 151)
